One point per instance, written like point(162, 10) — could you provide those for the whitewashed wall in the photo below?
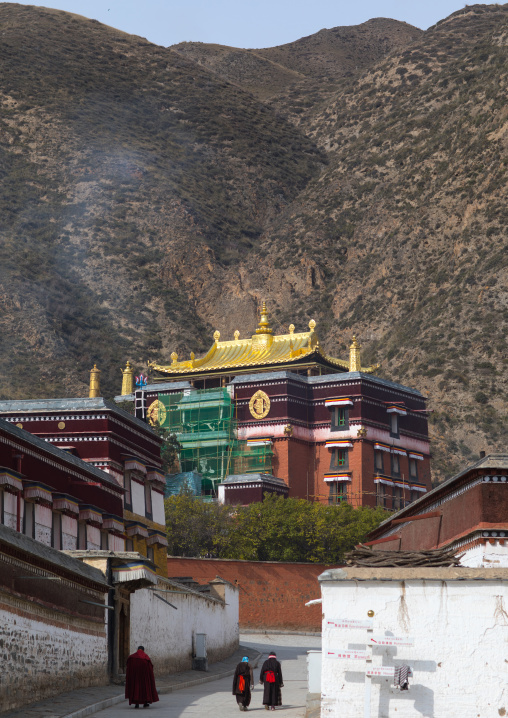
point(493, 555)
point(10, 510)
point(43, 656)
point(460, 653)
point(167, 634)
point(158, 514)
point(69, 532)
point(138, 498)
point(43, 522)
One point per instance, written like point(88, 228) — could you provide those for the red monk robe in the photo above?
point(139, 679)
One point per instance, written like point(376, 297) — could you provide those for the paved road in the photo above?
point(214, 700)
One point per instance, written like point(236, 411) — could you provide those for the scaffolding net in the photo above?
point(204, 423)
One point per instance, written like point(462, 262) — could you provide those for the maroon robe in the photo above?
point(139, 679)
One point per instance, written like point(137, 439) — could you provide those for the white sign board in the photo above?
point(391, 641)
point(355, 655)
point(388, 671)
point(349, 623)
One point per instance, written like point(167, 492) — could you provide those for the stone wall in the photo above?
point(45, 652)
point(272, 594)
point(168, 634)
point(458, 620)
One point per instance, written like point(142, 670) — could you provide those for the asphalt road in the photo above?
point(214, 700)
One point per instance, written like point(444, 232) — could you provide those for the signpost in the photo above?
point(370, 670)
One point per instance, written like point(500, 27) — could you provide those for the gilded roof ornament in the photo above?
point(192, 356)
point(95, 376)
point(312, 325)
point(236, 335)
point(127, 379)
point(354, 355)
point(174, 357)
point(216, 335)
point(291, 328)
point(264, 325)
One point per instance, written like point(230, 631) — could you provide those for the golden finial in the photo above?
point(236, 335)
point(354, 355)
point(291, 328)
point(95, 389)
point(192, 356)
point(174, 357)
point(128, 379)
point(312, 325)
point(216, 335)
point(264, 325)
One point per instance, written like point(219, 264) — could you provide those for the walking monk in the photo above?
point(271, 677)
point(139, 680)
point(243, 680)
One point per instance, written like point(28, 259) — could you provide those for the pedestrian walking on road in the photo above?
point(271, 677)
point(243, 681)
point(139, 680)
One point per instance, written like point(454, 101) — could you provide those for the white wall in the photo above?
point(42, 655)
point(10, 508)
point(158, 514)
point(138, 498)
point(460, 653)
point(167, 634)
point(488, 555)
point(69, 533)
point(43, 522)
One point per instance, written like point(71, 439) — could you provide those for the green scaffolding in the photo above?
point(205, 426)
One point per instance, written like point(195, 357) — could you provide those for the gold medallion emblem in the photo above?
point(259, 405)
point(61, 424)
point(156, 413)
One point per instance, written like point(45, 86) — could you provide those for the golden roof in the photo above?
point(261, 349)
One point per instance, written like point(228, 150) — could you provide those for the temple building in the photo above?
point(105, 441)
point(280, 405)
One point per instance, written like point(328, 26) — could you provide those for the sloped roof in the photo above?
point(261, 349)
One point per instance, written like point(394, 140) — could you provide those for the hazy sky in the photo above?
point(248, 23)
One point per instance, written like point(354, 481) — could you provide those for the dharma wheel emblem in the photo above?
point(259, 405)
point(156, 413)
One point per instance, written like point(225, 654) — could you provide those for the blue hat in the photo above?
point(245, 659)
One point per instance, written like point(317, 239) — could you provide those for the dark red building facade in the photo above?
point(468, 513)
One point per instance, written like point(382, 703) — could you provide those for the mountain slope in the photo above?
point(146, 201)
point(293, 77)
point(115, 153)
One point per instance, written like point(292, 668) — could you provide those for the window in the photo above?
point(338, 492)
point(82, 540)
point(104, 541)
point(394, 425)
point(340, 418)
point(413, 469)
point(397, 498)
point(56, 531)
point(414, 495)
point(128, 493)
point(382, 495)
point(378, 461)
point(339, 458)
point(150, 553)
point(148, 500)
point(1, 506)
point(29, 519)
point(129, 545)
point(395, 465)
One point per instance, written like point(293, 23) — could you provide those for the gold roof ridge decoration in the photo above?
point(262, 349)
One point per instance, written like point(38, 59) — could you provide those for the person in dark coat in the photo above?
point(242, 688)
point(271, 677)
point(139, 680)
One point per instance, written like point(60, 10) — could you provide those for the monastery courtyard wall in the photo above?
point(272, 594)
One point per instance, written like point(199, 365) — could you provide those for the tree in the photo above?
point(170, 447)
point(275, 529)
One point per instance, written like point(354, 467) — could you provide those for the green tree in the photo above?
point(275, 529)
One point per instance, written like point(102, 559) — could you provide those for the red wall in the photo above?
point(272, 594)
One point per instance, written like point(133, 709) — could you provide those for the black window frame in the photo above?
point(394, 417)
point(56, 518)
point(378, 454)
point(334, 459)
point(413, 462)
point(335, 493)
point(32, 511)
point(336, 411)
point(394, 458)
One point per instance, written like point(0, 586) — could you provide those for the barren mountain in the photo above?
point(152, 195)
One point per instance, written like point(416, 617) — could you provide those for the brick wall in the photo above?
point(272, 594)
